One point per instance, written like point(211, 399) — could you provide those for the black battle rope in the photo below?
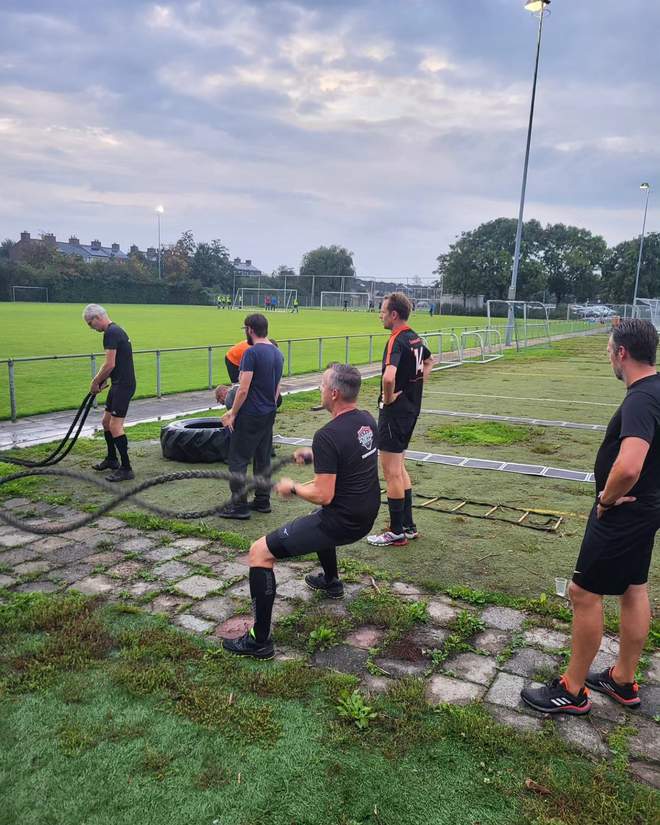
point(56, 456)
point(258, 482)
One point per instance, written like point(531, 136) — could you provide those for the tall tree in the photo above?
point(211, 265)
point(328, 268)
point(620, 267)
point(572, 259)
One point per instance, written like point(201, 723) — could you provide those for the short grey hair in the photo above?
point(93, 311)
point(346, 379)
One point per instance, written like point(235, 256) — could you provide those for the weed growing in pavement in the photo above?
point(351, 706)
point(321, 638)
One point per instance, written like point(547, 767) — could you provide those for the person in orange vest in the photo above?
point(233, 359)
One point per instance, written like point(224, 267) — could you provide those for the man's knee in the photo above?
point(392, 464)
point(116, 426)
point(582, 598)
point(635, 594)
point(260, 555)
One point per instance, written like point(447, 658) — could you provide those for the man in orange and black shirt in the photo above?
point(407, 363)
point(233, 359)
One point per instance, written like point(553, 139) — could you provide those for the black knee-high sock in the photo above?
point(262, 590)
point(110, 443)
point(121, 443)
point(408, 519)
point(328, 559)
point(396, 514)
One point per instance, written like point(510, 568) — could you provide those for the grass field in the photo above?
point(108, 717)
point(30, 329)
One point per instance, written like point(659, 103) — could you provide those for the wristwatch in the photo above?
point(602, 504)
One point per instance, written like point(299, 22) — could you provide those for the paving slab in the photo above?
point(6, 581)
point(189, 545)
point(206, 558)
point(109, 523)
point(529, 661)
point(650, 696)
point(37, 587)
point(580, 733)
point(520, 721)
point(344, 658)
point(29, 567)
point(428, 637)
point(193, 623)
point(653, 672)
point(546, 638)
point(234, 627)
point(441, 612)
point(46, 545)
point(365, 637)
point(142, 588)
point(645, 744)
point(136, 545)
point(93, 585)
point(165, 553)
point(472, 667)
point(231, 569)
point(405, 589)
point(198, 587)
point(400, 668)
point(604, 708)
point(68, 554)
point(492, 640)
point(106, 557)
point(172, 570)
point(71, 573)
point(16, 503)
point(125, 570)
point(288, 654)
point(15, 539)
point(443, 689)
point(166, 603)
point(294, 589)
point(505, 690)
point(645, 772)
point(218, 608)
point(374, 685)
point(503, 618)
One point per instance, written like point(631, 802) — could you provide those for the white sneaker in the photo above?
point(388, 539)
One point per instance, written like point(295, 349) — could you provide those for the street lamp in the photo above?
point(159, 212)
point(540, 8)
point(645, 187)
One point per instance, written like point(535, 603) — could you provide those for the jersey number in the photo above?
point(419, 359)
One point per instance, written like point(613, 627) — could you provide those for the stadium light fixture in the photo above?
point(539, 7)
point(645, 187)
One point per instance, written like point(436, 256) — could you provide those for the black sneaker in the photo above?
point(234, 511)
point(411, 532)
point(627, 694)
point(121, 474)
point(260, 506)
point(554, 698)
point(247, 645)
point(106, 464)
point(333, 589)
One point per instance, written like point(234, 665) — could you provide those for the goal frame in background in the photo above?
point(254, 296)
point(44, 289)
point(353, 306)
point(511, 328)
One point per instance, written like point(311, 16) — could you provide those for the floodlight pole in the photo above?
point(159, 212)
point(644, 187)
point(539, 7)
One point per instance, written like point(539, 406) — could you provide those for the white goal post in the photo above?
point(34, 293)
point(345, 300)
point(262, 298)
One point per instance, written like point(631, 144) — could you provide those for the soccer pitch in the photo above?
point(31, 329)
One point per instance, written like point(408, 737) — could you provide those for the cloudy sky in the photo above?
point(386, 126)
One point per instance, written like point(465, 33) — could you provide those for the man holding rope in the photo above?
point(618, 542)
point(346, 487)
point(118, 367)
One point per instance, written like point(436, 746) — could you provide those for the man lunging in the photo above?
point(118, 367)
point(407, 363)
point(347, 489)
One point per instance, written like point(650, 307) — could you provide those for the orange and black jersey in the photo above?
point(407, 352)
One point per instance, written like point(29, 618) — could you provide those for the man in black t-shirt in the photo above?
point(118, 367)
point(345, 486)
point(407, 363)
point(618, 542)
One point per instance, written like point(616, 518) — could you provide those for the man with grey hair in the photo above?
point(346, 487)
point(118, 367)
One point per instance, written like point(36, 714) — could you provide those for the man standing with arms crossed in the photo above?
point(407, 363)
point(118, 367)
point(252, 416)
point(618, 542)
point(346, 487)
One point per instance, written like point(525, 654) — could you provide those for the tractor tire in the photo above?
point(195, 441)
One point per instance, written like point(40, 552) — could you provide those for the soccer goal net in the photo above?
point(29, 293)
point(649, 309)
point(264, 298)
point(345, 300)
point(522, 322)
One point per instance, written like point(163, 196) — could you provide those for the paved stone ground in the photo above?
point(202, 586)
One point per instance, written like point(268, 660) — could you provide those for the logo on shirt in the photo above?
point(365, 437)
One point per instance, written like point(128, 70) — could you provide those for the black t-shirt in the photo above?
point(407, 352)
point(638, 417)
point(265, 362)
point(116, 338)
point(347, 447)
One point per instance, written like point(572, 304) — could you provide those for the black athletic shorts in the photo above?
point(616, 549)
point(395, 432)
point(305, 535)
point(118, 400)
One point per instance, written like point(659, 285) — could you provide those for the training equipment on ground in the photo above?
point(255, 298)
point(29, 293)
point(195, 441)
point(353, 300)
point(63, 449)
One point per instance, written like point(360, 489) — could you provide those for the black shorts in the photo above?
point(616, 549)
point(395, 432)
point(232, 371)
point(118, 400)
point(298, 537)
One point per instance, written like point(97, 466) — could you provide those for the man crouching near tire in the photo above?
point(347, 489)
point(118, 367)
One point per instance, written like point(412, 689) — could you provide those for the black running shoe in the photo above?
point(333, 589)
point(106, 464)
point(260, 506)
point(121, 474)
point(247, 645)
point(554, 698)
point(233, 511)
point(626, 694)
